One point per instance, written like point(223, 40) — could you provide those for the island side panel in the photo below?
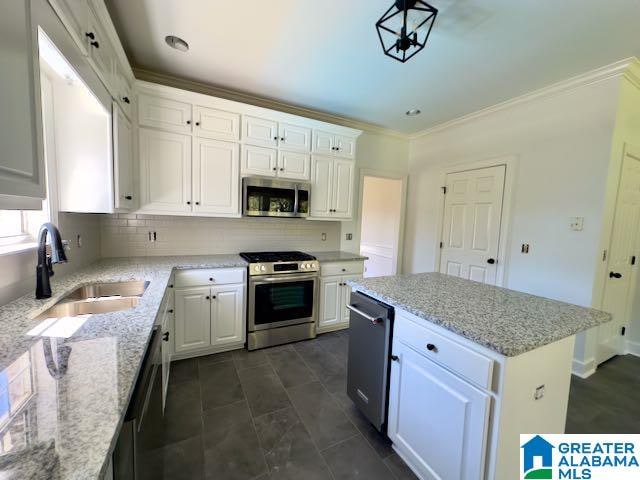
point(520, 412)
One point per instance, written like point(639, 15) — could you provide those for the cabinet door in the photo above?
point(293, 137)
point(166, 350)
point(216, 177)
point(345, 146)
point(165, 171)
point(192, 319)
point(436, 419)
point(22, 173)
point(75, 16)
point(259, 131)
point(165, 114)
point(321, 187)
point(216, 124)
point(124, 95)
point(294, 165)
point(330, 299)
point(227, 315)
point(345, 297)
point(343, 174)
point(259, 161)
point(123, 160)
point(101, 52)
point(323, 142)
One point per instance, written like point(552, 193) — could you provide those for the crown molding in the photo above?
point(628, 68)
point(229, 94)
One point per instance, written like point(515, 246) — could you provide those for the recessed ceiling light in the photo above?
point(177, 43)
point(413, 112)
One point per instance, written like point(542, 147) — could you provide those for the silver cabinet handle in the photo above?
point(374, 320)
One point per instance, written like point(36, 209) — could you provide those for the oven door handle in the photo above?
point(374, 320)
point(283, 278)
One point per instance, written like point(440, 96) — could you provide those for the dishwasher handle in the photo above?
point(374, 320)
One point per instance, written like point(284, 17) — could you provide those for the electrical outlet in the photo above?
point(525, 248)
point(576, 223)
point(349, 236)
point(539, 393)
point(324, 237)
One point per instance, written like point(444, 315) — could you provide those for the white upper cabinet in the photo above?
point(124, 196)
point(124, 94)
point(165, 114)
point(216, 124)
point(101, 51)
point(22, 174)
point(332, 188)
point(216, 177)
point(75, 15)
point(259, 131)
point(294, 165)
point(326, 143)
point(293, 137)
point(165, 171)
point(259, 161)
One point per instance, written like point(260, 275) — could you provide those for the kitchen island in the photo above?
point(473, 367)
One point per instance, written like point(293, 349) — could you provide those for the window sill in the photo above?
point(17, 248)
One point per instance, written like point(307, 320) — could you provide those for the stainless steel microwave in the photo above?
point(265, 197)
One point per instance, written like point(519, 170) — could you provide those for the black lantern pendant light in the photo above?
point(405, 28)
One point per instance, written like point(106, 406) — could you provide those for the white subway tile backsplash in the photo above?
point(128, 235)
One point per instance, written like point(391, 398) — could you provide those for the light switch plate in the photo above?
point(324, 237)
point(539, 393)
point(576, 223)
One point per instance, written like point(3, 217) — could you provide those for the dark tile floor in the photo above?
point(282, 413)
point(275, 414)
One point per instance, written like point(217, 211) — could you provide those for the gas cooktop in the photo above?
point(272, 257)
point(271, 263)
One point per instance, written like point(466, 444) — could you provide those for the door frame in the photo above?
point(611, 199)
point(510, 162)
point(368, 172)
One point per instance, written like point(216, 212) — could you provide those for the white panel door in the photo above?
point(294, 165)
point(436, 419)
point(623, 247)
point(323, 142)
point(216, 177)
point(345, 146)
point(330, 300)
point(165, 114)
point(321, 186)
point(227, 315)
point(343, 173)
point(293, 137)
point(259, 161)
point(192, 319)
point(471, 225)
point(165, 171)
point(259, 131)
point(217, 124)
point(123, 159)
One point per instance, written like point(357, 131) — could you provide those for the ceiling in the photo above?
point(325, 54)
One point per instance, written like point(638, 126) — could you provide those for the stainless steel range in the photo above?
point(282, 291)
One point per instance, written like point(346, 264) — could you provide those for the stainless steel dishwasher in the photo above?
point(370, 331)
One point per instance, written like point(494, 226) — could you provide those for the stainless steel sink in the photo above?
point(98, 298)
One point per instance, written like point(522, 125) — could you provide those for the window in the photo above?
point(11, 223)
point(19, 227)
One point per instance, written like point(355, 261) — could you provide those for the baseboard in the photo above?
point(633, 348)
point(206, 351)
point(583, 369)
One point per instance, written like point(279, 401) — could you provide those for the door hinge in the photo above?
point(604, 255)
point(633, 260)
point(444, 190)
point(623, 330)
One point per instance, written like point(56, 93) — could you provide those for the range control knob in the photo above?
point(303, 266)
point(257, 268)
point(262, 268)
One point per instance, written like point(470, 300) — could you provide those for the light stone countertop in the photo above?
point(67, 427)
point(506, 321)
point(337, 256)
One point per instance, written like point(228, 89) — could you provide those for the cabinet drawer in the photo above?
point(342, 268)
point(218, 276)
point(472, 365)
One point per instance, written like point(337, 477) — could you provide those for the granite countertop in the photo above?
point(64, 422)
point(337, 256)
point(506, 321)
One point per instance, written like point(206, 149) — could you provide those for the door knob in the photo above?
point(491, 261)
point(165, 337)
point(94, 44)
point(431, 347)
point(394, 358)
point(615, 275)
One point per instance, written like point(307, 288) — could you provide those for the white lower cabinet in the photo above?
point(166, 327)
point(208, 318)
point(437, 420)
point(335, 294)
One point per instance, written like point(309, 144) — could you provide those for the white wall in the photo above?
point(563, 147)
point(127, 235)
point(384, 154)
point(19, 269)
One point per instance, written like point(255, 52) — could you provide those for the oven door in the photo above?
point(280, 300)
